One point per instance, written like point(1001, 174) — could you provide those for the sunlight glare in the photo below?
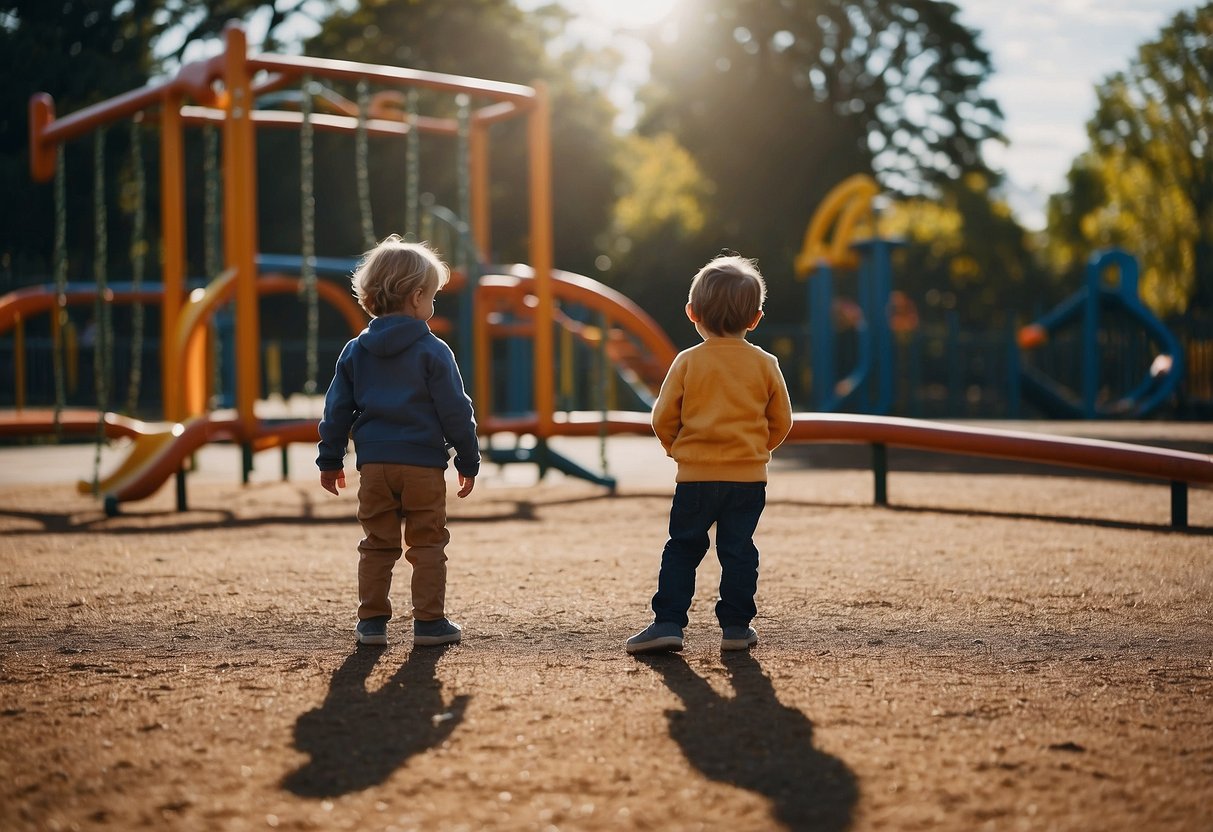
point(625, 13)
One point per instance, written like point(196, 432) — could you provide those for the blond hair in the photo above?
point(390, 272)
point(727, 294)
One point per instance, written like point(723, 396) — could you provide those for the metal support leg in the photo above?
point(1179, 504)
point(246, 462)
point(880, 474)
point(181, 501)
point(286, 463)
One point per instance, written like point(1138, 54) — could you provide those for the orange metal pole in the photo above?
point(478, 146)
point(240, 216)
point(41, 152)
point(195, 377)
point(482, 356)
point(539, 141)
point(172, 224)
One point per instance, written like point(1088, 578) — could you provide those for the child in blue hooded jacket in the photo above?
point(397, 391)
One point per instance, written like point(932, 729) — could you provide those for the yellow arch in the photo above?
point(847, 207)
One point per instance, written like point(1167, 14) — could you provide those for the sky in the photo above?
point(1048, 56)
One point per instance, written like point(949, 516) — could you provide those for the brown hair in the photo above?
point(727, 294)
point(393, 270)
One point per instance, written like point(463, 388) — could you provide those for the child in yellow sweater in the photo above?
point(722, 409)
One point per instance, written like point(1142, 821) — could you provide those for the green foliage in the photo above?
point(659, 221)
point(965, 252)
point(779, 101)
point(1147, 182)
point(81, 53)
point(494, 39)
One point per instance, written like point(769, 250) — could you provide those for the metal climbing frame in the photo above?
point(222, 91)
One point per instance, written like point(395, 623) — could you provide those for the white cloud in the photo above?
point(1048, 56)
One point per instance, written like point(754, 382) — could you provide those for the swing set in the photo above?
point(508, 319)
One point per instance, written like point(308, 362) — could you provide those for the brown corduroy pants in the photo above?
point(388, 494)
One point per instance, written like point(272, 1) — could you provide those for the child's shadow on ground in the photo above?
point(754, 741)
point(358, 738)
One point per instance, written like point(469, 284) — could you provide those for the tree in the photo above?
point(1115, 200)
point(494, 39)
point(966, 252)
point(184, 22)
point(83, 52)
point(658, 227)
point(777, 102)
point(1147, 183)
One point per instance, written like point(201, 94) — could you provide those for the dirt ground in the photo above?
point(1012, 650)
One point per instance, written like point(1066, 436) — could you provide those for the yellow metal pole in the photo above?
point(240, 218)
point(539, 141)
point(172, 224)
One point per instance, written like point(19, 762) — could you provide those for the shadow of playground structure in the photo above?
point(754, 741)
point(358, 738)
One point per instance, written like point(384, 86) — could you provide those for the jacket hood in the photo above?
point(392, 334)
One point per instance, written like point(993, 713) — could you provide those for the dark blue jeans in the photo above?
point(734, 508)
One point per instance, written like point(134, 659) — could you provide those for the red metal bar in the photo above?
point(1075, 452)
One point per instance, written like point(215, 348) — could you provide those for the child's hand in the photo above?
point(331, 481)
point(466, 484)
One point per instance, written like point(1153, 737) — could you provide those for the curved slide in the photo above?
point(638, 346)
point(158, 454)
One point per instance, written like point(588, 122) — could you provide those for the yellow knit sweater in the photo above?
point(722, 409)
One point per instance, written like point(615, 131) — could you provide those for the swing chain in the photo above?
point(463, 177)
point(60, 268)
point(138, 264)
point(362, 162)
point(211, 253)
point(412, 164)
point(307, 219)
point(103, 329)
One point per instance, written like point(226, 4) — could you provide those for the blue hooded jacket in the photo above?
point(397, 390)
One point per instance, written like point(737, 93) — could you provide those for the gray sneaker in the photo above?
point(658, 637)
point(738, 638)
point(372, 630)
point(433, 633)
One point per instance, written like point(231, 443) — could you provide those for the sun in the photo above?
point(623, 14)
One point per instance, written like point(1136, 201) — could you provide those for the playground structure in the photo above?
point(832, 244)
point(1116, 330)
point(517, 331)
point(1089, 304)
point(239, 93)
